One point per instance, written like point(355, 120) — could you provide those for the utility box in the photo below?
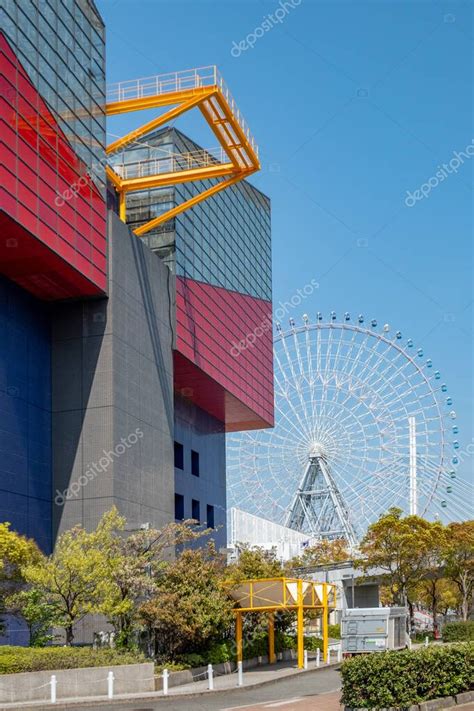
point(373, 629)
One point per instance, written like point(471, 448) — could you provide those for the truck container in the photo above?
point(373, 629)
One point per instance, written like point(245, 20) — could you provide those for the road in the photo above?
point(311, 691)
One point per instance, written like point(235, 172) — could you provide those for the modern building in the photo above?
point(124, 357)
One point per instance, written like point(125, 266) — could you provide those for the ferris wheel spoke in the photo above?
point(345, 393)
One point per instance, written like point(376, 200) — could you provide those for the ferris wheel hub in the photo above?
point(317, 450)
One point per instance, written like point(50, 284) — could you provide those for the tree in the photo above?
point(134, 564)
point(324, 552)
point(73, 580)
point(459, 561)
point(30, 606)
point(254, 562)
point(403, 549)
point(191, 608)
point(16, 551)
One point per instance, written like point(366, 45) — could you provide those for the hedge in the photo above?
point(404, 678)
point(29, 659)
point(458, 631)
point(255, 647)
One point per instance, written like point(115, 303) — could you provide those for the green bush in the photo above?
point(385, 679)
point(334, 631)
point(219, 653)
point(27, 659)
point(458, 631)
point(419, 637)
point(192, 660)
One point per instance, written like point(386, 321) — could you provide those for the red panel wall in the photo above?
point(224, 358)
point(53, 222)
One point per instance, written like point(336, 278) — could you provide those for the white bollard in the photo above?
point(318, 657)
point(210, 677)
point(110, 685)
point(305, 659)
point(53, 684)
point(339, 653)
point(165, 682)
point(426, 641)
point(328, 658)
point(240, 674)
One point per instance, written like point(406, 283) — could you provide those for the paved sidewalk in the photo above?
point(253, 679)
point(255, 676)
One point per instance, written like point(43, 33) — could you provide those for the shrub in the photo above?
point(28, 659)
point(191, 660)
point(458, 631)
point(219, 653)
point(419, 637)
point(334, 631)
point(385, 679)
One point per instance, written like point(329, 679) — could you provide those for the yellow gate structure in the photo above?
point(270, 595)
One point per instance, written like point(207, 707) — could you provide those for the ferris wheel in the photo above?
point(363, 422)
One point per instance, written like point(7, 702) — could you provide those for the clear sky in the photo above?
point(352, 104)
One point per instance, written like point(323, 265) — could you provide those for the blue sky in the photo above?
point(352, 104)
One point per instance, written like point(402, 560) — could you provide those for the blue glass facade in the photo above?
point(225, 241)
point(60, 43)
point(25, 413)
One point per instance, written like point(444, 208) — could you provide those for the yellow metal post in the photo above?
point(122, 206)
point(238, 635)
point(300, 625)
point(271, 638)
point(325, 622)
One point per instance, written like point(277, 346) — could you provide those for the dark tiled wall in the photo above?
point(25, 413)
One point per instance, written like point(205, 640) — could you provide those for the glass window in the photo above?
point(210, 516)
point(194, 463)
point(195, 510)
point(179, 507)
point(178, 455)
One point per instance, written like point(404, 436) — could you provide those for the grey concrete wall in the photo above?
point(112, 399)
point(72, 683)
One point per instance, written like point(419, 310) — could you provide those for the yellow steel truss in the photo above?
point(270, 595)
point(202, 88)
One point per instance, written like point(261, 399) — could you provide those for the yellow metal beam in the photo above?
point(300, 625)
point(189, 203)
point(157, 122)
point(271, 638)
point(156, 101)
point(217, 170)
point(115, 179)
point(325, 624)
point(122, 206)
point(239, 636)
point(218, 135)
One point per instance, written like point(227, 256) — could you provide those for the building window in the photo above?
point(195, 510)
point(194, 463)
point(179, 507)
point(210, 516)
point(178, 455)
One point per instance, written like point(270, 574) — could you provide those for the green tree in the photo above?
point(403, 548)
point(324, 552)
point(190, 609)
point(459, 561)
point(16, 551)
point(254, 562)
point(30, 606)
point(73, 580)
point(134, 564)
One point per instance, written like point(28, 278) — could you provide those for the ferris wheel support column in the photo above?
point(413, 472)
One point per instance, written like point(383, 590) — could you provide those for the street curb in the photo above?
point(98, 701)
